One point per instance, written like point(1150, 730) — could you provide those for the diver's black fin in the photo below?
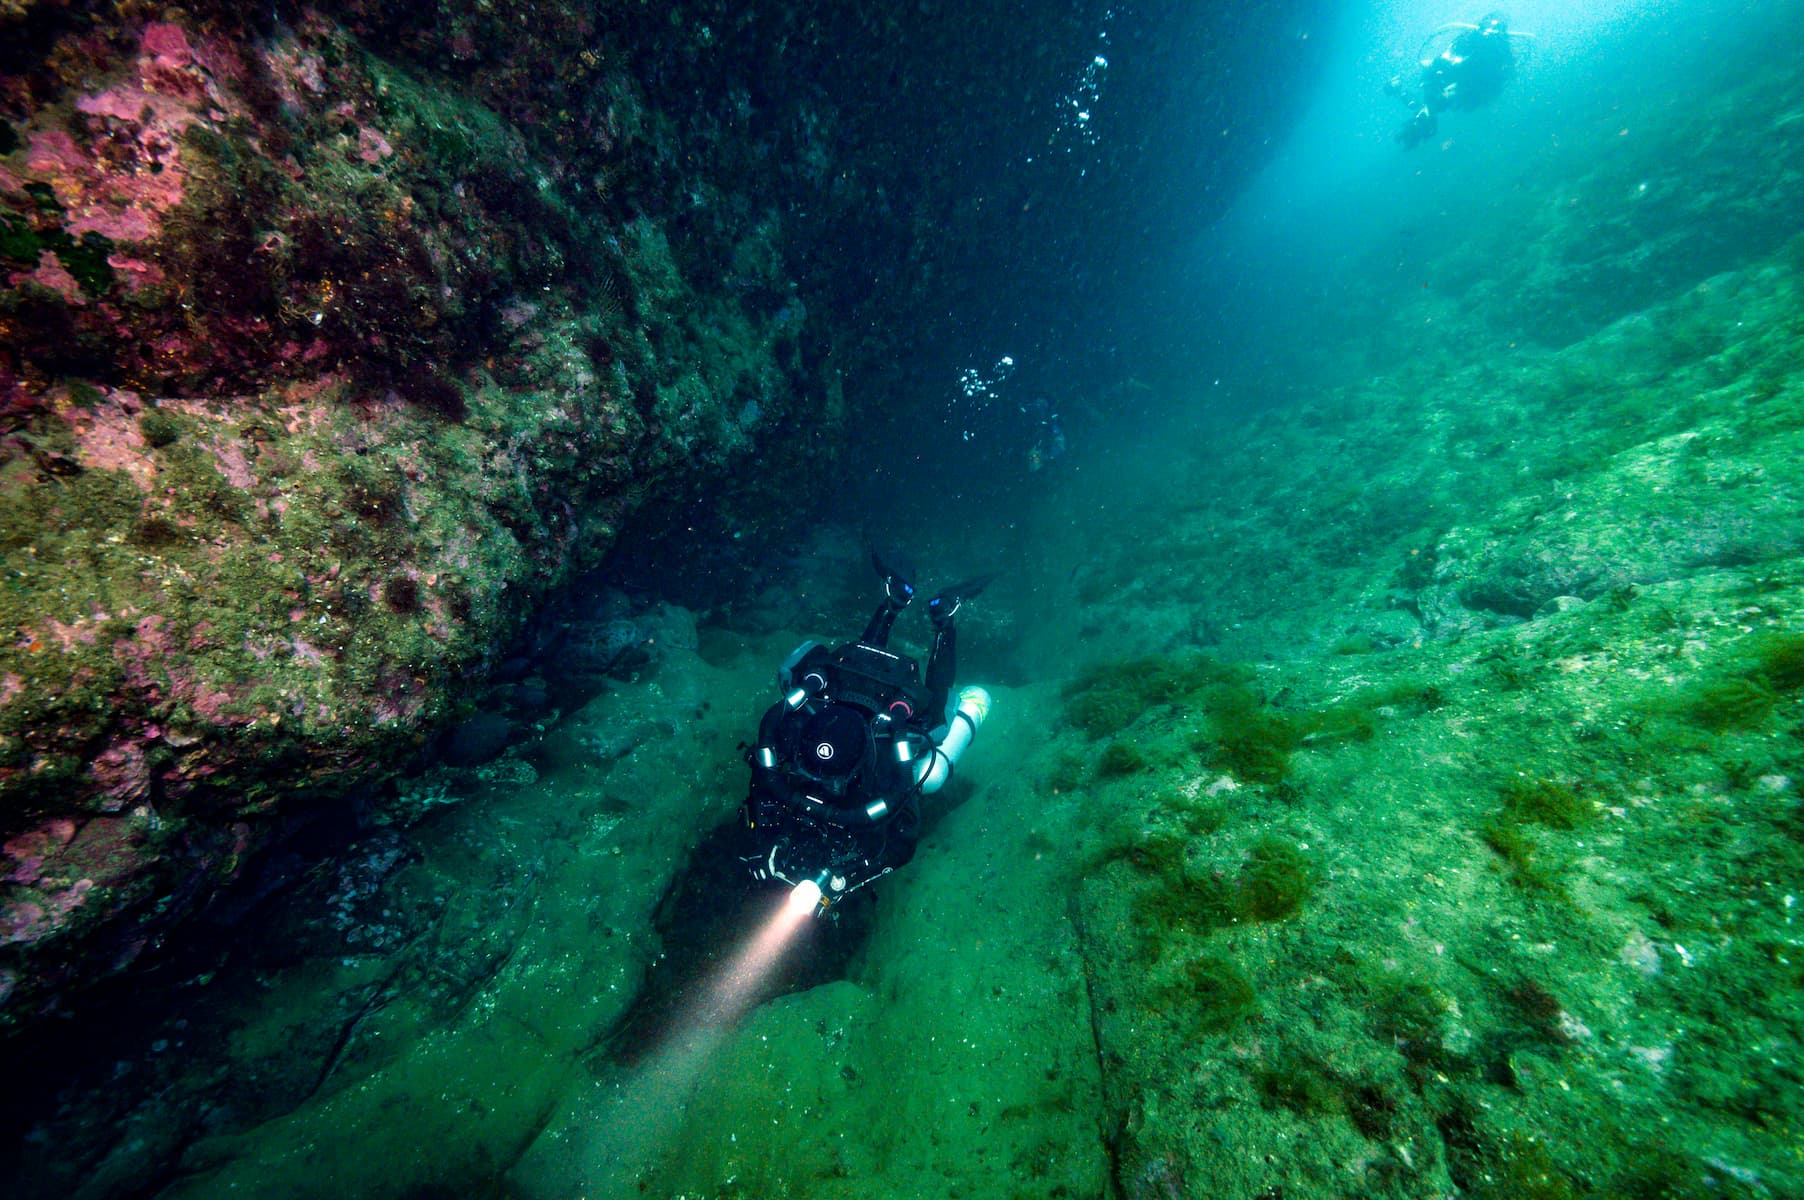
point(946, 601)
point(898, 575)
point(969, 589)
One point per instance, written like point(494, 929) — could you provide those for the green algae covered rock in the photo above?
point(316, 379)
point(1549, 837)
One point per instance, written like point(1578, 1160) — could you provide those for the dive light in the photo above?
point(804, 897)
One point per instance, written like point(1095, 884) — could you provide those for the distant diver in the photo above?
point(1466, 70)
point(1048, 435)
point(844, 757)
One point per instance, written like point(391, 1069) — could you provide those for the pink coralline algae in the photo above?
point(233, 464)
point(372, 147)
point(517, 312)
point(125, 206)
point(25, 854)
point(51, 274)
point(109, 437)
point(153, 636)
point(146, 658)
point(122, 773)
point(293, 71)
point(136, 273)
point(70, 634)
point(126, 175)
point(166, 48)
point(28, 921)
point(399, 697)
point(169, 64)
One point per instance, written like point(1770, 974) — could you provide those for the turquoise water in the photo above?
point(1392, 789)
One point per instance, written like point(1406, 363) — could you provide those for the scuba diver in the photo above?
point(1049, 436)
point(1467, 72)
point(858, 737)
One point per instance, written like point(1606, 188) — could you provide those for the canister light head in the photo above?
point(804, 898)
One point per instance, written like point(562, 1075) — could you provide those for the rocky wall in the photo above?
point(315, 375)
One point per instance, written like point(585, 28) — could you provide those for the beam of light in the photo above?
point(1339, 189)
point(731, 991)
point(622, 1127)
point(1349, 124)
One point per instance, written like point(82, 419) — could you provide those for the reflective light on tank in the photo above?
point(767, 758)
point(876, 809)
point(905, 750)
point(979, 701)
point(796, 698)
point(803, 898)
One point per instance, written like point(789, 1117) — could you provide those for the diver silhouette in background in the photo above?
point(1464, 71)
point(1048, 435)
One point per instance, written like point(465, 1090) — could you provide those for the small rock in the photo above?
point(1557, 605)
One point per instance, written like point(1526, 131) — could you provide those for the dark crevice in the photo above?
point(1111, 1125)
